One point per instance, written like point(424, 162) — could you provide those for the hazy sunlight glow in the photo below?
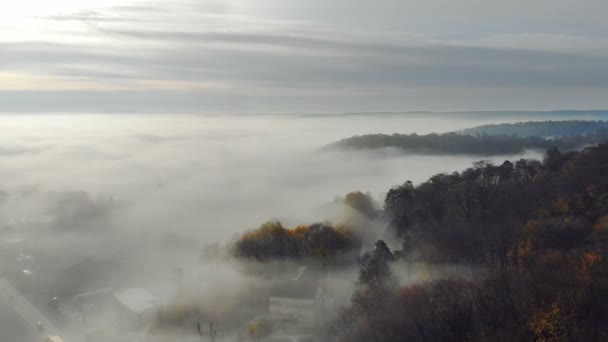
point(33, 8)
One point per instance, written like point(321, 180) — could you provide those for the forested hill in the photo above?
point(453, 143)
point(565, 135)
point(536, 231)
point(528, 240)
point(545, 129)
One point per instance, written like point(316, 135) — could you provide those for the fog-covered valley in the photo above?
point(207, 176)
point(303, 171)
point(93, 205)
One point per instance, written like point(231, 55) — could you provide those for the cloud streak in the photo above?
point(240, 54)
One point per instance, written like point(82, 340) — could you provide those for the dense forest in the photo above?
point(499, 140)
point(537, 234)
point(530, 236)
point(545, 129)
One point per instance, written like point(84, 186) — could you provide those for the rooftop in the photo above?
point(136, 300)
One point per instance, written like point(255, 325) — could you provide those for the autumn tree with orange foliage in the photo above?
point(272, 241)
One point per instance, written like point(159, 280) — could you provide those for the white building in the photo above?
point(136, 304)
point(299, 298)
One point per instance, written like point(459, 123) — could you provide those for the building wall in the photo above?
point(288, 308)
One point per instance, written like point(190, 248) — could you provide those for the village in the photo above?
point(89, 295)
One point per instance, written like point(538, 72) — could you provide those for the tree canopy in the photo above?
point(272, 240)
point(536, 232)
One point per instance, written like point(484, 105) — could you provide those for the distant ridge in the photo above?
point(487, 140)
point(587, 114)
point(545, 129)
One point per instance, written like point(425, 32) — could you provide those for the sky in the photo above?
point(279, 56)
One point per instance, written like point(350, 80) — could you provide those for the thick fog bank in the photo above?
point(96, 205)
point(205, 176)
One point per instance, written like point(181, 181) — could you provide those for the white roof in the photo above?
point(137, 300)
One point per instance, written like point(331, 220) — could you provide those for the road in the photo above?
point(13, 328)
point(20, 306)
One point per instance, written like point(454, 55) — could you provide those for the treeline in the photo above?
point(455, 143)
point(272, 241)
point(546, 129)
point(536, 231)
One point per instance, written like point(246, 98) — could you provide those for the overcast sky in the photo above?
point(303, 55)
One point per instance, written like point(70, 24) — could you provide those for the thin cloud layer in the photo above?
point(287, 56)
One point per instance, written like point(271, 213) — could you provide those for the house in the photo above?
point(299, 298)
point(135, 305)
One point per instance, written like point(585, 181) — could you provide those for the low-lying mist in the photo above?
point(208, 177)
point(150, 200)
